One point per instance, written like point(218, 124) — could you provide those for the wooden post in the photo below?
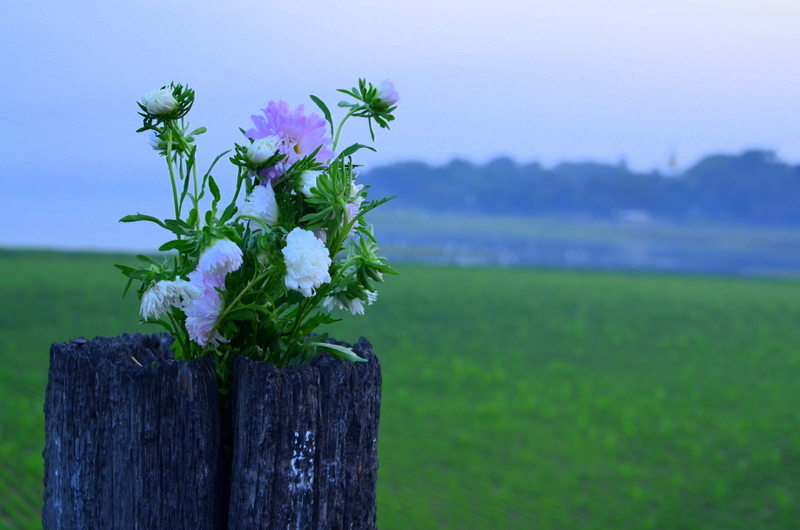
point(132, 437)
point(305, 443)
point(133, 440)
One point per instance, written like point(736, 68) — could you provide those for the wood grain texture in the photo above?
point(305, 443)
point(131, 446)
point(133, 440)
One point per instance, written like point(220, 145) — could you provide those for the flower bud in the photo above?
point(155, 142)
point(262, 149)
point(387, 93)
point(160, 102)
point(308, 180)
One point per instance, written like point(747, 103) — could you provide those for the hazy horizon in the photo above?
point(536, 81)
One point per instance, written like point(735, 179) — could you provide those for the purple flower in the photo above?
point(202, 313)
point(220, 258)
point(216, 261)
point(299, 135)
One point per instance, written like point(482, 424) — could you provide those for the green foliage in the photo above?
point(247, 306)
point(752, 187)
point(48, 298)
point(511, 398)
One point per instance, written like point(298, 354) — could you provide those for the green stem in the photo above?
point(172, 177)
point(236, 300)
point(195, 200)
point(292, 339)
point(339, 128)
point(239, 179)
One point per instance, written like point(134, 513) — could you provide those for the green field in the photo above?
point(511, 398)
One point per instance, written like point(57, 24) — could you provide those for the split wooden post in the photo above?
point(133, 440)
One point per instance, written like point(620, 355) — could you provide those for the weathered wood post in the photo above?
point(132, 437)
point(133, 440)
point(306, 443)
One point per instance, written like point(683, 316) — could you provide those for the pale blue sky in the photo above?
point(547, 81)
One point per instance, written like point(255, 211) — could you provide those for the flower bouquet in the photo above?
point(244, 424)
point(256, 275)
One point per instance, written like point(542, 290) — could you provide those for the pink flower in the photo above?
point(222, 257)
point(299, 135)
point(203, 312)
point(216, 261)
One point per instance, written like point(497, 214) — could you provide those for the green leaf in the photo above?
point(257, 308)
point(227, 214)
point(353, 148)
point(212, 186)
point(348, 92)
point(175, 244)
point(314, 218)
point(142, 217)
point(340, 351)
point(124, 268)
point(159, 322)
point(178, 227)
point(324, 108)
point(127, 286)
point(214, 163)
point(184, 192)
point(148, 259)
point(140, 274)
point(242, 314)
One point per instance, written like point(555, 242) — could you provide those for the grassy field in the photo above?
point(511, 398)
point(564, 242)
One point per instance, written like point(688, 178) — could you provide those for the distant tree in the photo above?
point(753, 187)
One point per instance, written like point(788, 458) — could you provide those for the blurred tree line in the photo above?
point(754, 187)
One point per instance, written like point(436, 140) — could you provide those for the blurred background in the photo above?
point(597, 226)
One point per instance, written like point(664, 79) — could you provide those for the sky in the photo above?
point(566, 80)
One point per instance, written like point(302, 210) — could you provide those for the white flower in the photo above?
point(159, 102)
point(219, 259)
point(162, 295)
point(307, 262)
point(203, 312)
point(308, 180)
point(387, 93)
point(355, 306)
point(263, 148)
point(261, 203)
